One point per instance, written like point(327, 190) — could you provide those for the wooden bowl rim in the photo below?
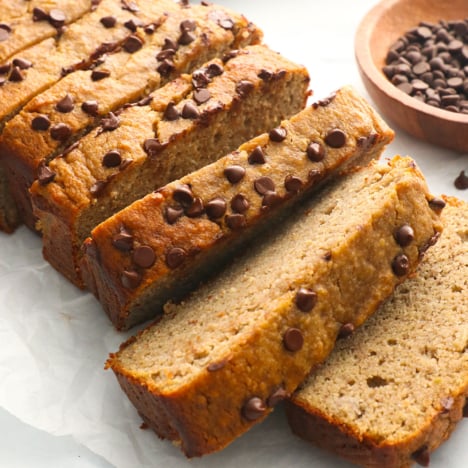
point(364, 58)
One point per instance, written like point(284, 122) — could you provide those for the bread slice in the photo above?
point(27, 23)
point(218, 362)
point(178, 132)
point(141, 62)
point(203, 232)
point(392, 393)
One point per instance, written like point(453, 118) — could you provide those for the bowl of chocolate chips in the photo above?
point(413, 59)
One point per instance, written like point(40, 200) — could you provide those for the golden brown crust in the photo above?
point(68, 206)
point(206, 240)
point(219, 388)
point(429, 309)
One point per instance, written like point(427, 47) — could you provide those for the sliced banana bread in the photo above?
point(188, 124)
point(187, 228)
point(176, 42)
point(24, 23)
point(392, 393)
point(218, 362)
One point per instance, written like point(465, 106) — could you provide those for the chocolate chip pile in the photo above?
point(430, 63)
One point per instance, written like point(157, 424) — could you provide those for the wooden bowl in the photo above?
point(378, 31)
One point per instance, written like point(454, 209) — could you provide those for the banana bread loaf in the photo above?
point(179, 41)
point(222, 211)
point(24, 23)
point(218, 362)
point(188, 124)
point(392, 393)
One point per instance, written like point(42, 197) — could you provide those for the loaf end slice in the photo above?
point(230, 201)
point(217, 363)
point(189, 123)
point(392, 393)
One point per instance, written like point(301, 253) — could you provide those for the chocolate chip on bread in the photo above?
point(393, 392)
point(187, 228)
point(144, 50)
point(187, 124)
point(217, 363)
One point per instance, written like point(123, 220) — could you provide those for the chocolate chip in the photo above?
point(132, 44)
point(335, 138)
point(422, 456)
point(108, 21)
point(65, 105)
point(400, 265)
point(230, 55)
point(165, 54)
point(57, 17)
point(277, 396)
point(315, 151)
point(165, 68)
point(90, 107)
point(404, 235)
point(271, 198)
point(112, 159)
point(214, 69)
point(277, 134)
point(292, 183)
point(169, 44)
point(144, 256)
point(16, 75)
point(186, 38)
point(201, 95)
point(263, 185)
point(253, 409)
point(39, 14)
point(265, 75)
point(97, 75)
point(130, 279)
point(314, 175)
point(152, 147)
point(40, 123)
point(437, 204)
point(183, 194)
point(144, 101)
point(195, 209)
point(123, 241)
point(188, 25)
point(257, 156)
point(200, 79)
point(175, 257)
point(151, 28)
point(5, 68)
point(324, 102)
point(190, 111)
point(60, 131)
point(293, 339)
point(346, 330)
point(133, 24)
point(216, 366)
point(110, 123)
point(244, 87)
point(240, 203)
point(461, 182)
point(97, 189)
point(215, 208)
point(5, 31)
point(305, 299)
point(226, 23)
point(129, 6)
point(171, 113)
point(234, 174)
point(173, 214)
point(235, 221)
point(44, 174)
point(23, 64)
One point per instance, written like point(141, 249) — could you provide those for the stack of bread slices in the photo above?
point(173, 166)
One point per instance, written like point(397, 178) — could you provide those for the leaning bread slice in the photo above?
point(189, 123)
point(392, 393)
point(176, 41)
point(218, 362)
point(226, 203)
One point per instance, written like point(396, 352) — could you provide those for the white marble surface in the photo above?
point(58, 408)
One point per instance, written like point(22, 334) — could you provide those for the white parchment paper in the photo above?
point(54, 339)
